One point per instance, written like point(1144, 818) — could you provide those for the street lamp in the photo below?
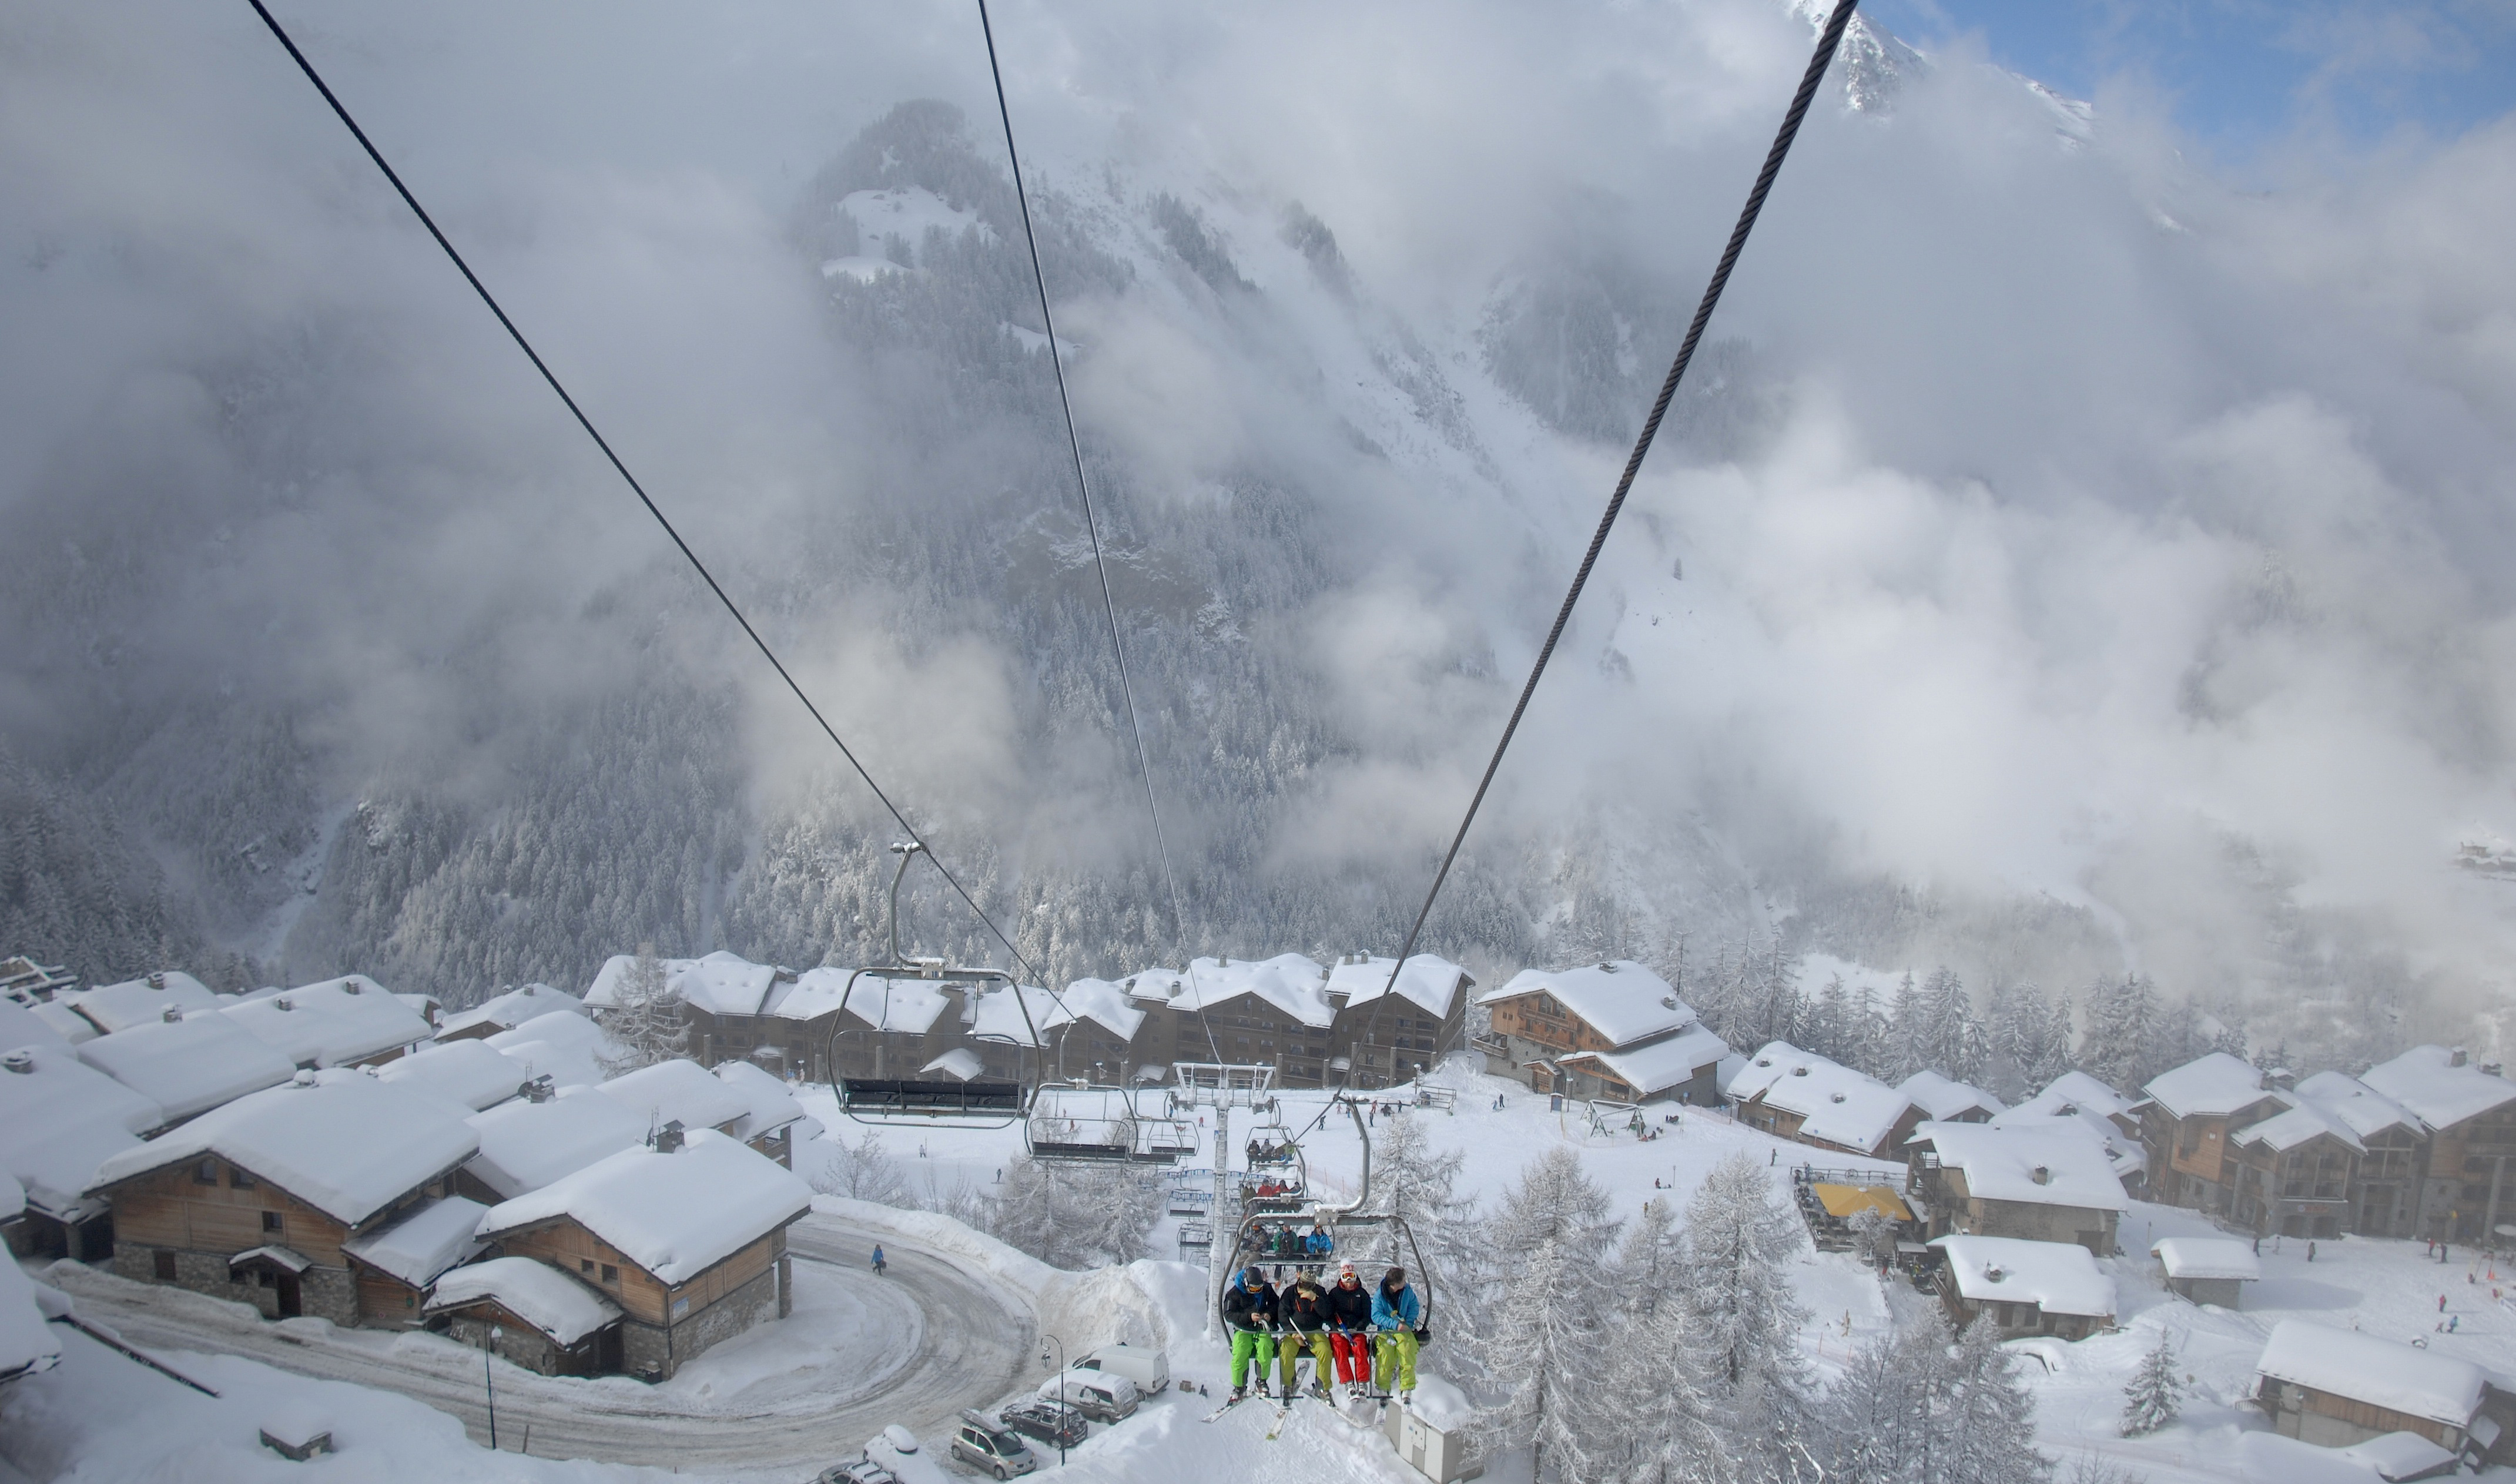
point(1045, 1342)
point(489, 1382)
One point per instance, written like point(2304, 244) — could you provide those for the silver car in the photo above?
point(981, 1443)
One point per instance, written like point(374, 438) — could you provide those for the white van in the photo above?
point(1105, 1396)
point(1148, 1369)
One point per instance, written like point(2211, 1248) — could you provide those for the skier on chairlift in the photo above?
point(1349, 1328)
point(1249, 1308)
point(1306, 1323)
point(1399, 1315)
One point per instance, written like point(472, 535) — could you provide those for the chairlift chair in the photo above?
point(1366, 1237)
point(932, 1102)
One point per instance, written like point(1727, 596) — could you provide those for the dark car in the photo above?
point(1056, 1426)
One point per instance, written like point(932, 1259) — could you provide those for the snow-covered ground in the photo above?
point(859, 1350)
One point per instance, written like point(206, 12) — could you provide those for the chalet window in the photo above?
point(270, 1221)
point(238, 1179)
point(585, 1264)
point(165, 1267)
point(206, 1172)
point(610, 1274)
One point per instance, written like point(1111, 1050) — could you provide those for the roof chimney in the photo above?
point(174, 1013)
point(1994, 1273)
point(2455, 1058)
point(538, 1090)
point(305, 1078)
point(157, 981)
point(21, 1061)
point(668, 1138)
point(2041, 1175)
point(2489, 1069)
point(283, 1002)
point(349, 987)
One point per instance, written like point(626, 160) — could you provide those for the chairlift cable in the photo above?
point(761, 644)
point(1828, 41)
point(1092, 525)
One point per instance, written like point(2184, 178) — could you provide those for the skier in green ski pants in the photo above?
point(1250, 1309)
point(1399, 1315)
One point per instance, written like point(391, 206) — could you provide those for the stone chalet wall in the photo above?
point(661, 1350)
point(2042, 1223)
point(324, 1292)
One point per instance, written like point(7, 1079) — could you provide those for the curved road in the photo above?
point(972, 1349)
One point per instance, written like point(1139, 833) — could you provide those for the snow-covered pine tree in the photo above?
point(1107, 1214)
point(647, 1024)
point(2126, 1027)
point(1744, 1313)
point(1989, 1434)
point(1827, 1029)
point(1906, 1042)
point(1542, 1346)
point(1919, 1408)
point(1659, 1419)
point(2154, 1396)
point(1023, 1213)
point(2055, 1045)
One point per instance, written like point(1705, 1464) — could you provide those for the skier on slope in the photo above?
point(1250, 1309)
point(1306, 1320)
point(1399, 1315)
point(1349, 1328)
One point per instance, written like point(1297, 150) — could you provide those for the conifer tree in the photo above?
point(2154, 1396)
point(1542, 1347)
point(1744, 1317)
point(646, 1024)
point(1661, 1418)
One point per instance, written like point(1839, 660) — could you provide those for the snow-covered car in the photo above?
point(1052, 1422)
point(985, 1445)
point(861, 1471)
point(1147, 1368)
point(1105, 1396)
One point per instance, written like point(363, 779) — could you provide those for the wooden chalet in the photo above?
point(256, 1200)
point(1615, 1032)
point(2186, 1117)
point(532, 1314)
point(60, 1118)
point(2341, 1387)
point(2025, 1288)
point(2292, 1172)
point(1795, 1094)
point(2039, 1181)
point(505, 1011)
point(2470, 1114)
point(687, 1236)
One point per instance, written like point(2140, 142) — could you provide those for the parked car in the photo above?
point(1105, 1396)
point(1149, 1369)
point(861, 1471)
point(1052, 1422)
point(985, 1444)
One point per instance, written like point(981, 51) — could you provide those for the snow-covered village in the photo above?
point(1633, 741)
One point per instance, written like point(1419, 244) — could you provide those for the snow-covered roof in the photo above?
point(2076, 1091)
point(2002, 1161)
point(12, 1198)
point(1835, 1104)
point(1294, 984)
point(2300, 1121)
point(772, 1106)
point(64, 1022)
point(566, 1047)
point(674, 1215)
point(20, 1025)
point(2364, 1110)
point(1622, 1000)
point(136, 1002)
point(1430, 981)
point(2399, 1456)
point(2206, 1257)
point(27, 1344)
point(525, 1145)
point(2440, 1094)
point(2208, 1086)
point(190, 1065)
point(1656, 1066)
point(909, 1006)
point(960, 1064)
point(434, 1237)
point(1943, 1098)
point(677, 1092)
point(721, 984)
point(60, 1118)
point(510, 1009)
point(539, 1294)
point(2123, 1154)
point(2366, 1368)
point(332, 1023)
point(470, 1073)
point(2059, 1277)
point(342, 1142)
point(1098, 999)
point(996, 1016)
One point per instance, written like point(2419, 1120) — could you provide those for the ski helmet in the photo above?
point(1250, 1277)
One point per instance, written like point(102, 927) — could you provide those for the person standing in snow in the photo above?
point(1349, 1308)
point(1305, 1321)
point(1250, 1309)
point(1399, 1315)
point(877, 1259)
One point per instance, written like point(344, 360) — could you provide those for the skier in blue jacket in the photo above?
point(1398, 1317)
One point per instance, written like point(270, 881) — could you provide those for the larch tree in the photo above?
point(646, 1025)
point(1742, 1310)
point(1542, 1346)
point(1661, 1419)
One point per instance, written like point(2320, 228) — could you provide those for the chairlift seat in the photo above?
point(939, 1098)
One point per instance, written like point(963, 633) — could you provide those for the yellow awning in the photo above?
point(1844, 1201)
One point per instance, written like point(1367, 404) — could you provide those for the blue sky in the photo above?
point(2248, 78)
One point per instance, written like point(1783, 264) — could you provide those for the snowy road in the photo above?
point(913, 1347)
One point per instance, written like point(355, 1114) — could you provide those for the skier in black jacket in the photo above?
point(1349, 1328)
point(1250, 1307)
